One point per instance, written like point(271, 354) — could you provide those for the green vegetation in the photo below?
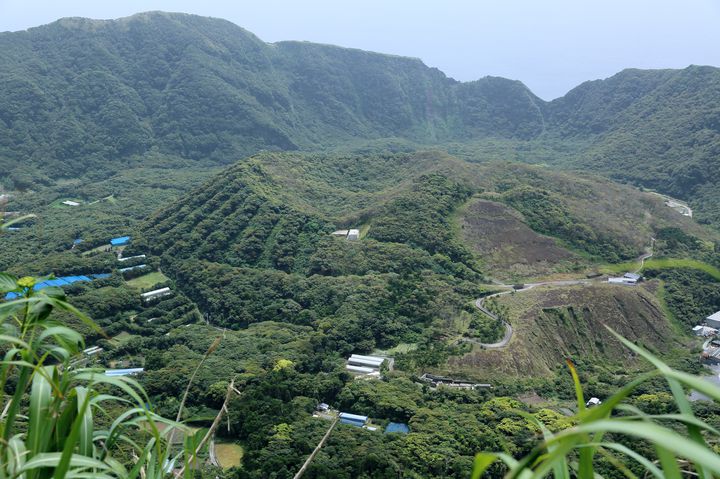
point(229, 454)
point(147, 281)
point(60, 418)
point(666, 439)
point(136, 119)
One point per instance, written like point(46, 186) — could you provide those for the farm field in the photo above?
point(147, 280)
point(229, 454)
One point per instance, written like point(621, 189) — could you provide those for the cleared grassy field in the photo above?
point(147, 280)
point(664, 263)
point(122, 338)
point(229, 454)
point(400, 348)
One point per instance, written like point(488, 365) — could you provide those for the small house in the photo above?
point(120, 241)
point(70, 203)
point(353, 235)
point(713, 320)
point(340, 233)
point(593, 402)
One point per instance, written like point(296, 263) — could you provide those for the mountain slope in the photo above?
point(84, 94)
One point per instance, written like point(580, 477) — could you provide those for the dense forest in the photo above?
point(89, 97)
point(231, 163)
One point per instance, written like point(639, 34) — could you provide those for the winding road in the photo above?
point(480, 302)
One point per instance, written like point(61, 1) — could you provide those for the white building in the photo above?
point(366, 365)
point(704, 331)
point(593, 402)
point(353, 235)
point(340, 233)
point(158, 293)
point(627, 278)
point(71, 203)
point(713, 320)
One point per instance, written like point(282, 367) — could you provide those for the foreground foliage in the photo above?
point(60, 418)
point(683, 443)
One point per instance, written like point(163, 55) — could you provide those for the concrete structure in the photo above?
point(452, 383)
point(353, 235)
point(71, 203)
point(713, 320)
point(623, 280)
point(593, 402)
point(120, 241)
point(157, 293)
point(704, 331)
point(123, 372)
point(340, 233)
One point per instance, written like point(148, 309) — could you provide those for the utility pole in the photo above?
point(317, 449)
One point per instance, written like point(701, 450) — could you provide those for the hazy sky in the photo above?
point(550, 45)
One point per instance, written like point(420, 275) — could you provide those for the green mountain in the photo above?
point(89, 97)
point(82, 94)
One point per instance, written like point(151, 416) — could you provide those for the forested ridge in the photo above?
point(230, 163)
point(82, 96)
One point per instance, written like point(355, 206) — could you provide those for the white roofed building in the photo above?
point(713, 320)
point(353, 235)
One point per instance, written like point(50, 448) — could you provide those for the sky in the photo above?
point(550, 45)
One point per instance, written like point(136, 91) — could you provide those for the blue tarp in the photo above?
point(61, 281)
point(397, 427)
point(78, 241)
point(120, 241)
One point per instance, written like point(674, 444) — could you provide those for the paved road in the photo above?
point(480, 304)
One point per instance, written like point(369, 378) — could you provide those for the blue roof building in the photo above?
point(59, 282)
point(353, 419)
point(120, 241)
point(398, 427)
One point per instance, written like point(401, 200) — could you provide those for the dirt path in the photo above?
point(646, 256)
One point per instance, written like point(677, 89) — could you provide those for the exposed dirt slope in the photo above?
point(554, 323)
point(508, 247)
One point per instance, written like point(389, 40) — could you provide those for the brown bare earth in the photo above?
point(552, 323)
point(509, 248)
